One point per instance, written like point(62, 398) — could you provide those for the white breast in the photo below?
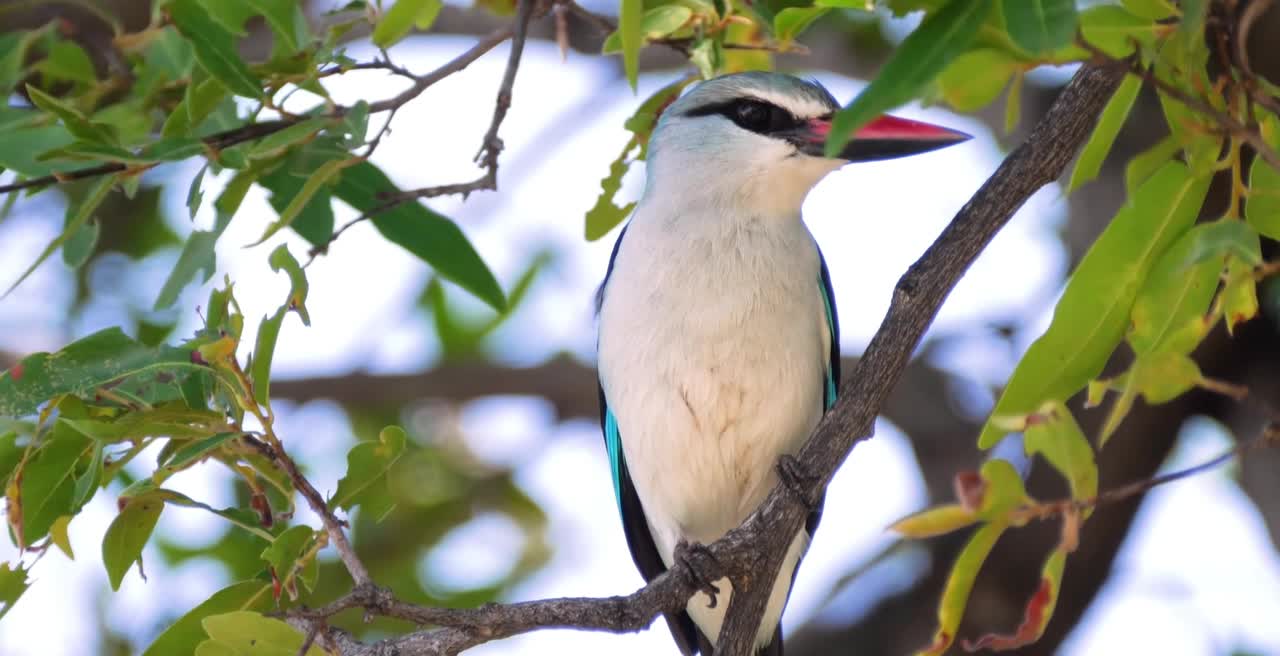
point(713, 350)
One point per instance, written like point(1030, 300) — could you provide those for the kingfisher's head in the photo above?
point(757, 139)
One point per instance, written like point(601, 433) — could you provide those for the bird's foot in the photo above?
point(798, 480)
point(697, 559)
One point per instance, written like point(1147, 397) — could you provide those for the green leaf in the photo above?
point(87, 483)
point(1176, 292)
point(195, 450)
point(198, 253)
point(396, 23)
point(91, 202)
point(935, 521)
point(79, 246)
point(214, 46)
point(1013, 104)
point(1150, 9)
point(367, 463)
point(315, 221)
point(662, 20)
point(277, 143)
point(197, 256)
point(198, 102)
point(1114, 31)
point(941, 38)
point(605, 215)
point(1240, 295)
point(955, 596)
point(1090, 318)
point(13, 582)
point(630, 24)
point(355, 123)
point(427, 15)
point(1148, 161)
point(1054, 434)
point(1225, 237)
point(1262, 209)
point(75, 122)
point(282, 17)
point(182, 636)
point(281, 258)
point(168, 420)
point(268, 332)
point(245, 519)
point(66, 60)
point(127, 535)
point(976, 78)
point(19, 150)
point(284, 552)
point(195, 195)
point(306, 192)
point(1104, 133)
point(246, 633)
point(791, 21)
point(1040, 26)
point(430, 236)
point(47, 485)
point(82, 366)
point(1002, 489)
point(58, 536)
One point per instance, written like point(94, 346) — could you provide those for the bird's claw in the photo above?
point(696, 559)
point(797, 480)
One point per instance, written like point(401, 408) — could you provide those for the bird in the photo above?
point(717, 331)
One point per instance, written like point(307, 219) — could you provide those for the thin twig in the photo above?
point(1269, 437)
point(1224, 120)
point(490, 146)
point(255, 131)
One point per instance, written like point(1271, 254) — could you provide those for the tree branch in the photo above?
point(916, 300)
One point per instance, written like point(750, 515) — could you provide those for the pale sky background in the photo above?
point(1198, 575)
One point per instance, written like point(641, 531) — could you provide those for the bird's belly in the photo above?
point(709, 406)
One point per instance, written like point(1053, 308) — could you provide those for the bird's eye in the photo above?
point(760, 117)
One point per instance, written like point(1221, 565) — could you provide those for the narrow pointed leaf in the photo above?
point(183, 635)
point(214, 47)
point(397, 22)
point(1039, 26)
point(955, 596)
point(630, 24)
point(127, 535)
point(13, 582)
point(1055, 436)
point(430, 236)
point(82, 366)
point(367, 462)
point(1104, 133)
point(268, 332)
point(248, 633)
point(1091, 316)
point(313, 184)
point(91, 202)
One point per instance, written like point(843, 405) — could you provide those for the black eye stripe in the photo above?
point(752, 114)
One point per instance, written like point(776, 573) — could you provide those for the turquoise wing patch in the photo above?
point(831, 328)
point(613, 444)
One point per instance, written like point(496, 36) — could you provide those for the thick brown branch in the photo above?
point(916, 300)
